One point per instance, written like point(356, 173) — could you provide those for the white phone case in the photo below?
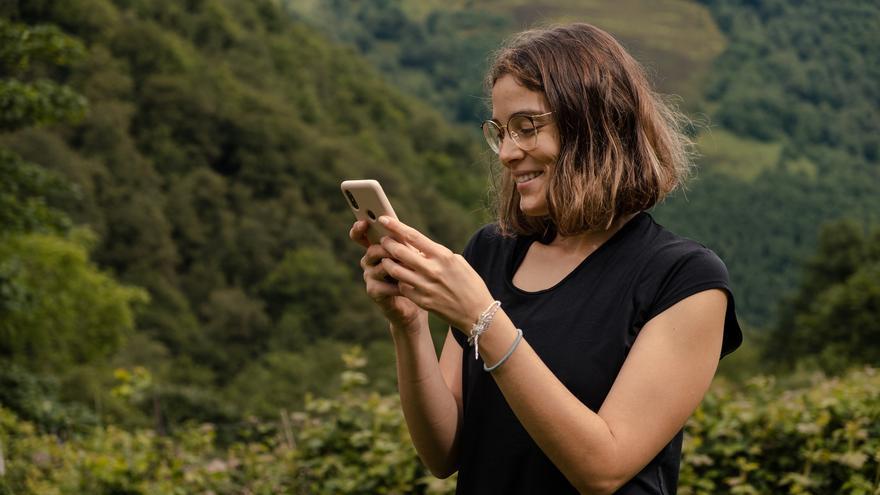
point(368, 202)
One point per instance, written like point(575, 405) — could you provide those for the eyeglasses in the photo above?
point(521, 128)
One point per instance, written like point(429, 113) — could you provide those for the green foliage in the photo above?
point(440, 58)
point(823, 438)
point(59, 309)
point(357, 442)
point(24, 189)
point(800, 76)
point(817, 58)
point(353, 443)
point(36, 398)
point(844, 320)
point(216, 137)
point(25, 50)
point(112, 460)
point(439, 51)
point(282, 379)
point(724, 152)
point(831, 320)
point(237, 325)
point(304, 294)
point(23, 104)
point(22, 46)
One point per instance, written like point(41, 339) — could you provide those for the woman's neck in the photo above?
point(589, 241)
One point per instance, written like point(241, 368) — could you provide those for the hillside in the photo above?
point(796, 115)
point(438, 50)
point(208, 164)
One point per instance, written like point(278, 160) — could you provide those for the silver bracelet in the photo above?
point(481, 326)
point(509, 352)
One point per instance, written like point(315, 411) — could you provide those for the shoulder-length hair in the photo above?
point(622, 149)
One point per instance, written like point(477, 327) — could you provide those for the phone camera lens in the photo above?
point(371, 214)
point(352, 200)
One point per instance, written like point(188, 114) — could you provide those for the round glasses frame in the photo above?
point(494, 133)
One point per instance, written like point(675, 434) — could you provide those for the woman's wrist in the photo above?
point(410, 326)
point(473, 314)
point(498, 338)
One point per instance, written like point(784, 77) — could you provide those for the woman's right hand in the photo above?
point(399, 310)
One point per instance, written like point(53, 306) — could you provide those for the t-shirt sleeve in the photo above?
point(678, 277)
point(471, 246)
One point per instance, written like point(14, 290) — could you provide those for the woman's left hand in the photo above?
point(433, 277)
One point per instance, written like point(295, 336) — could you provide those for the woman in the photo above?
point(582, 334)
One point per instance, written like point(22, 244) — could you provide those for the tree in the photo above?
point(24, 189)
point(832, 317)
point(58, 309)
point(25, 103)
point(310, 293)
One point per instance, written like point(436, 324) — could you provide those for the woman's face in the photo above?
point(510, 98)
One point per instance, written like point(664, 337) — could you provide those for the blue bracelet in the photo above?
point(509, 352)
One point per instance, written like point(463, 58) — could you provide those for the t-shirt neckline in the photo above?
point(524, 243)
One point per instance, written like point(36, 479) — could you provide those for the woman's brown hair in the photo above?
point(621, 145)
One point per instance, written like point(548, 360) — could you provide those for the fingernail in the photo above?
point(384, 220)
point(382, 240)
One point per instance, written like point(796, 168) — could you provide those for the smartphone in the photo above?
point(368, 202)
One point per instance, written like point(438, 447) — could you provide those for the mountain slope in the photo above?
point(209, 165)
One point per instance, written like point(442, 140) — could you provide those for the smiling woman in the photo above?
point(595, 331)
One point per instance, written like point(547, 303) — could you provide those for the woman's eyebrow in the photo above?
point(522, 111)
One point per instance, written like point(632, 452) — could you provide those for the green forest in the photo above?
point(181, 309)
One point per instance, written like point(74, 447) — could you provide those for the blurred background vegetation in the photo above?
point(177, 286)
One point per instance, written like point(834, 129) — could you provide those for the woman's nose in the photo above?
point(509, 151)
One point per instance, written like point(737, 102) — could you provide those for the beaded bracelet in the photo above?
point(513, 346)
point(481, 326)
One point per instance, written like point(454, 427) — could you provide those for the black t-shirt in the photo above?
point(583, 329)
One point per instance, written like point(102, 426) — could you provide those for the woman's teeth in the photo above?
point(527, 177)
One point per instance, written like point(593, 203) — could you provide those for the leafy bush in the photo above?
point(822, 437)
point(112, 460)
point(358, 443)
point(35, 398)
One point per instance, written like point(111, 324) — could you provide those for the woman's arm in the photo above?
point(663, 379)
point(430, 395)
point(430, 392)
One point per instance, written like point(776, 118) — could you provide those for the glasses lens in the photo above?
point(493, 135)
point(522, 129)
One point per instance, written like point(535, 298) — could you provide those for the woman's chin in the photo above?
point(533, 210)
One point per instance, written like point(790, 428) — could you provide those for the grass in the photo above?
point(676, 40)
point(724, 152)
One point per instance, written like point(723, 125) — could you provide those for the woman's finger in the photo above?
point(358, 233)
point(400, 272)
point(378, 289)
point(412, 293)
point(374, 255)
point(410, 236)
point(377, 272)
point(405, 254)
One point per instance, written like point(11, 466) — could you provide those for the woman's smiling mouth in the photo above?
point(522, 179)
